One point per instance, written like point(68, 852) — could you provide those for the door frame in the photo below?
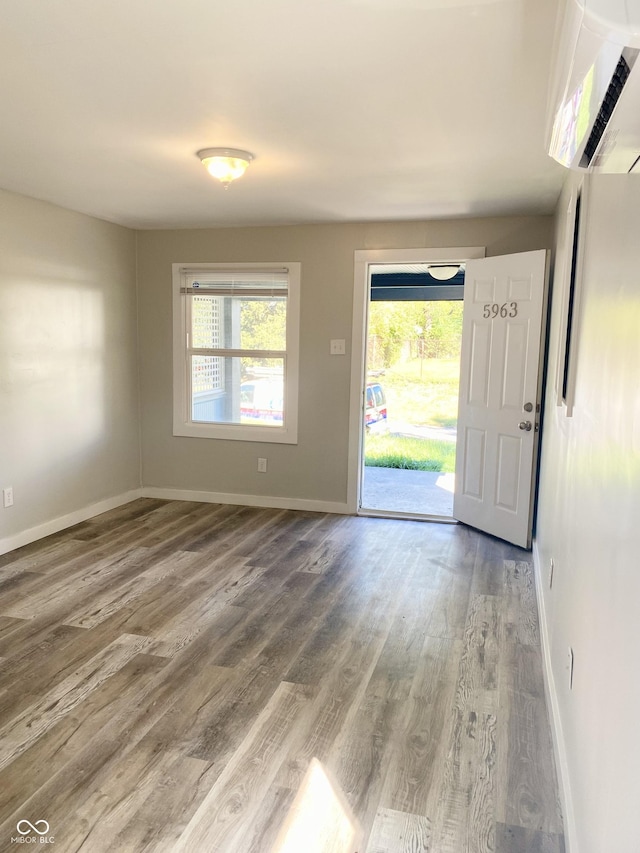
point(363, 258)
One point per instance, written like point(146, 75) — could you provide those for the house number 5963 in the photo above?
point(507, 309)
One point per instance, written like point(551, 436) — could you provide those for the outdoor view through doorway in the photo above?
point(411, 405)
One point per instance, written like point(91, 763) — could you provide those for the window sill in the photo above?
point(235, 432)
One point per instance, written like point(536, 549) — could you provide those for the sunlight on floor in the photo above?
point(319, 820)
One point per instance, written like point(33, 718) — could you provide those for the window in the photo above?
point(236, 351)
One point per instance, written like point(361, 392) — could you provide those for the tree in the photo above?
point(263, 324)
point(436, 326)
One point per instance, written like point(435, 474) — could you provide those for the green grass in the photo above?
point(430, 399)
point(423, 394)
point(418, 454)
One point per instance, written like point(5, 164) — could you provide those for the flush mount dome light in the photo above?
point(443, 272)
point(225, 164)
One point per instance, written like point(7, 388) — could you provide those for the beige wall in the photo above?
point(69, 432)
point(315, 469)
point(589, 523)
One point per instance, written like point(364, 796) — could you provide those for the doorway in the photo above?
point(500, 385)
point(413, 372)
point(409, 336)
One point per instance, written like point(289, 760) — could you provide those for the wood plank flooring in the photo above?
point(195, 677)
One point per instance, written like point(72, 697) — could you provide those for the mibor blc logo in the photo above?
point(32, 833)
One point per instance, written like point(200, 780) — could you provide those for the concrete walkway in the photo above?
point(400, 490)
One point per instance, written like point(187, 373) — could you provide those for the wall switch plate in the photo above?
point(338, 347)
point(7, 496)
point(262, 465)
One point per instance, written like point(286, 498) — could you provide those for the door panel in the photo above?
point(514, 365)
point(507, 489)
point(479, 365)
point(474, 448)
point(504, 304)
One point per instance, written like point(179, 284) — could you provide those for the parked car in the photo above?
point(375, 412)
point(261, 402)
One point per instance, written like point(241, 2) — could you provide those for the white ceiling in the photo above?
point(355, 109)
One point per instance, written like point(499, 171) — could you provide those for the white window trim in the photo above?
point(182, 423)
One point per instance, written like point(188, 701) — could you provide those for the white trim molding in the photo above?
point(559, 744)
point(244, 500)
point(183, 423)
point(25, 537)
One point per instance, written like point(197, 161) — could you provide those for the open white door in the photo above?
point(500, 381)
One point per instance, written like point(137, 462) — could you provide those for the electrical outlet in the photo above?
point(551, 567)
point(262, 465)
point(570, 667)
point(338, 347)
point(7, 496)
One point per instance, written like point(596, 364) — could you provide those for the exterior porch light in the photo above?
point(443, 272)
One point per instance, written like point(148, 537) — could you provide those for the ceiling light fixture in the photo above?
point(225, 164)
point(443, 272)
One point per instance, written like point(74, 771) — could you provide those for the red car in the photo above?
point(375, 412)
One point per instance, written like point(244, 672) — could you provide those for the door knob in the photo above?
point(525, 425)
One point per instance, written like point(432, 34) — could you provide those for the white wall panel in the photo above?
point(588, 523)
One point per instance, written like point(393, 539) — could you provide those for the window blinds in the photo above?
point(236, 282)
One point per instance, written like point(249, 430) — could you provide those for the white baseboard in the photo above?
point(245, 500)
point(25, 537)
point(559, 745)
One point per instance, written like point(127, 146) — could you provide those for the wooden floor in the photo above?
point(171, 669)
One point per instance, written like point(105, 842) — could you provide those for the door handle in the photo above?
point(525, 425)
